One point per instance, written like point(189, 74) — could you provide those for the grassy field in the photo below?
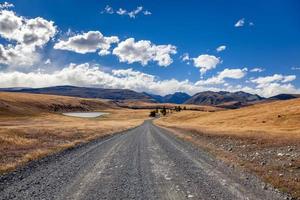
point(32, 126)
point(263, 139)
point(276, 119)
point(149, 105)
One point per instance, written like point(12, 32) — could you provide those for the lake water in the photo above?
point(84, 114)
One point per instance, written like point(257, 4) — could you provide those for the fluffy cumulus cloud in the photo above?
point(221, 48)
point(91, 41)
point(93, 75)
point(144, 51)
point(275, 84)
point(206, 62)
point(121, 11)
point(263, 81)
point(26, 35)
point(221, 76)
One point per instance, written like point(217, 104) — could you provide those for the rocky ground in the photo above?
point(276, 161)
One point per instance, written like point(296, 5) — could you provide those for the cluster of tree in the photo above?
point(177, 108)
point(164, 111)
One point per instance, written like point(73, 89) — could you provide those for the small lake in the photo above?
point(84, 114)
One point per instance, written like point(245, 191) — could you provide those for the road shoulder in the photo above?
point(245, 155)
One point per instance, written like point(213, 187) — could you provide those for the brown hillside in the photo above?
point(32, 126)
point(263, 139)
point(280, 118)
point(26, 104)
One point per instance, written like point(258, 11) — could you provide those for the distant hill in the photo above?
point(86, 92)
point(13, 89)
point(224, 99)
point(24, 104)
point(284, 96)
point(177, 97)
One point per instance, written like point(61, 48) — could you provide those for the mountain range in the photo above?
point(177, 97)
point(85, 92)
point(224, 99)
point(221, 99)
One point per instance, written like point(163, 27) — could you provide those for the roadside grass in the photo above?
point(263, 139)
point(32, 126)
point(26, 139)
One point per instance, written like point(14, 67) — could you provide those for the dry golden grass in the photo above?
point(17, 104)
point(30, 129)
point(263, 139)
point(276, 119)
point(150, 105)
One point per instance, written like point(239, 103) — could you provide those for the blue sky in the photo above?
point(145, 51)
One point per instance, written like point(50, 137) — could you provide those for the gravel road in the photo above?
point(146, 162)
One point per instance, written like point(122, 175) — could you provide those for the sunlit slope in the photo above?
point(280, 118)
point(25, 104)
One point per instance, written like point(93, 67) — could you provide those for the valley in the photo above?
point(255, 139)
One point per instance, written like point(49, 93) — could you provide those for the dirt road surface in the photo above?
point(146, 162)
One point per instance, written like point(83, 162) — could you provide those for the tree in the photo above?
point(152, 113)
point(184, 108)
point(163, 111)
point(177, 108)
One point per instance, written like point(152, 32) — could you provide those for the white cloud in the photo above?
point(18, 56)
point(48, 62)
point(240, 23)
point(221, 48)
point(144, 51)
point(276, 78)
point(257, 69)
point(10, 23)
point(220, 78)
point(206, 62)
point(91, 41)
point(26, 35)
point(135, 12)
point(275, 84)
point(108, 10)
point(185, 57)
point(93, 75)
point(90, 75)
point(29, 32)
point(295, 68)
point(273, 89)
point(147, 12)
point(289, 78)
point(6, 5)
point(121, 11)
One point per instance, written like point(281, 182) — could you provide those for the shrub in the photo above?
point(152, 114)
point(163, 111)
